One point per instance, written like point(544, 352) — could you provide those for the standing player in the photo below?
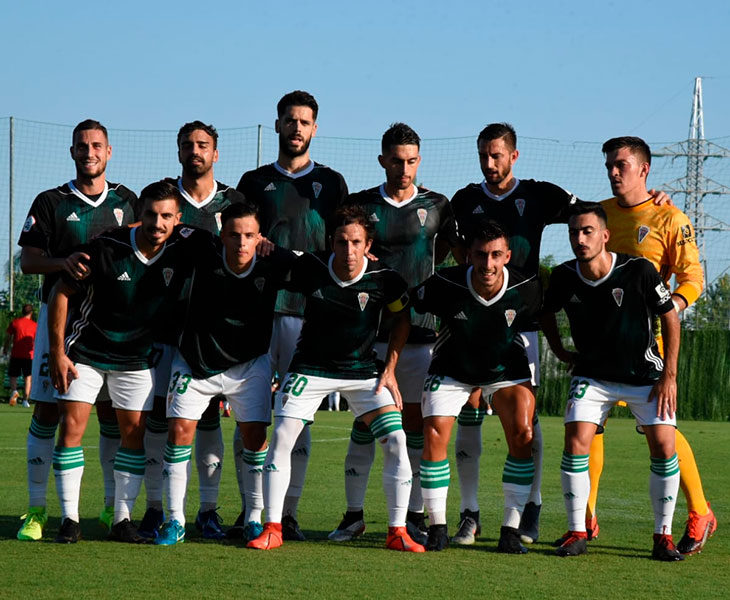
point(611, 301)
point(203, 200)
point(483, 307)
point(664, 236)
point(20, 335)
point(414, 229)
point(295, 196)
point(346, 295)
point(59, 220)
point(224, 350)
point(135, 274)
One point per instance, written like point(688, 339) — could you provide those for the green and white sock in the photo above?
point(576, 484)
point(209, 461)
point(39, 451)
point(175, 474)
point(358, 462)
point(254, 486)
point(435, 476)
point(109, 440)
point(663, 489)
point(68, 468)
point(517, 479)
point(128, 476)
point(468, 449)
point(388, 430)
point(155, 438)
point(414, 445)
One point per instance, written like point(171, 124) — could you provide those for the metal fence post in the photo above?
point(259, 144)
point(11, 268)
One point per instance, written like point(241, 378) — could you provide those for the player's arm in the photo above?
point(549, 325)
point(684, 259)
point(36, 261)
point(401, 326)
point(665, 390)
point(63, 371)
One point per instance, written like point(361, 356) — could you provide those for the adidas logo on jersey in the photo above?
point(270, 188)
point(374, 218)
point(461, 316)
point(478, 211)
point(124, 277)
point(574, 300)
point(318, 294)
point(73, 217)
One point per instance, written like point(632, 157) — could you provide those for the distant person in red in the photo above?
point(21, 335)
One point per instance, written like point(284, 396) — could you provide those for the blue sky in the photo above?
point(563, 70)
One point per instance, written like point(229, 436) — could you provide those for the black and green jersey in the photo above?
point(611, 319)
point(479, 342)
point(294, 209)
point(206, 214)
point(63, 218)
point(524, 212)
point(341, 318)
point(123, 297)
point(229, 316)
point(405, 239)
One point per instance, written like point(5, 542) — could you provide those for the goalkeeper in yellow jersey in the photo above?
point(664, 236)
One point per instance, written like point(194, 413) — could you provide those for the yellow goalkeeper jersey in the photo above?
point(661, 234)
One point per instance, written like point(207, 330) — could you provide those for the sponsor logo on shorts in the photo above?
point(509, 316)
point(422, 215)
point(167, 273)
point(119, 216)
point(259, 283)
point(73, 217)
point(643, 232)
point(270, 188)
point(618, 295)
point(28, 225)
point(362, 299)
point(317, 187)
point(520, 205)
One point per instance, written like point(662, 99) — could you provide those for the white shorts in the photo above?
point(162, 362)
point(128, 390)
point(284, 337)
point(411, 370)
point(301, 395)
point(532, 349)
point(246, 386)
point(41, 386)
point(445, 396)
point(590, 400)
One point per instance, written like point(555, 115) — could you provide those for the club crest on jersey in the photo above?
point(520, 204)
point(317, 187)
point(362, 299)
point(643, 232)
point(119, 216)
point(259, 283)
point(167, 275)
point(28, 225)
point(218, 221)
point(510, 315)
point(618, 295)
point(422, 214)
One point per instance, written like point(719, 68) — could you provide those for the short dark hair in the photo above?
point(352, 214)
point(85, 126)
point(160, 190)
point(485, 230)
point(399, 134)
point(494, 131)
point(188, 128)
point(585, 208)
point(238, 210)
point(297, 98)
point(27, 309)
point(635, 144)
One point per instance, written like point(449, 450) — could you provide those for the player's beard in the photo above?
point(195, 170)
point(290, 152)
point(83, 172)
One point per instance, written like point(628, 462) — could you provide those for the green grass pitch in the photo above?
point(617, 566)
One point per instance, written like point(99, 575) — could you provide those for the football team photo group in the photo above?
point(421, 311)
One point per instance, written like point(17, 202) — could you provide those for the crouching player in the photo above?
point(483, 307)
point(224, 350)
point(346, 295)
point(611, 300)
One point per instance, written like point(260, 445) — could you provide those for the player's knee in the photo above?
point(254, 438)
point(522, 436)
point(46, 413)
point(359, 426)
